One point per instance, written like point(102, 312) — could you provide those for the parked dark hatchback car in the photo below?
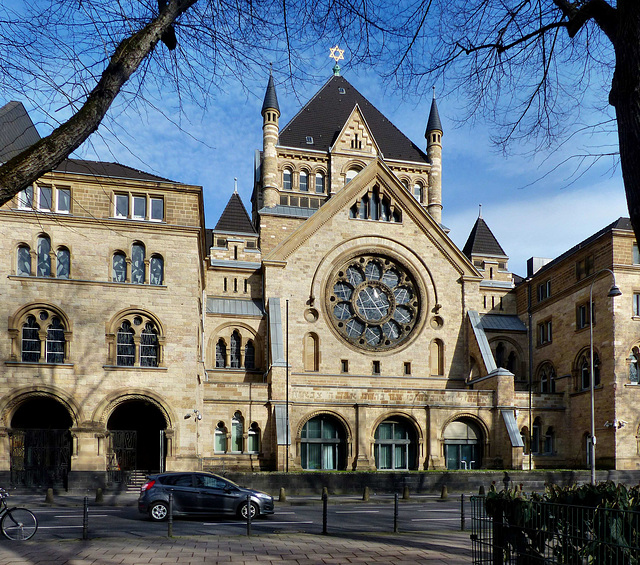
point(199, 494)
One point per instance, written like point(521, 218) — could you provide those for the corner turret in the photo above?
point(433, 135)
point(270, 132)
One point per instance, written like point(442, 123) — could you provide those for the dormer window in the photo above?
point(309, 140)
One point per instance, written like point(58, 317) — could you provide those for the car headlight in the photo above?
point(263, 495)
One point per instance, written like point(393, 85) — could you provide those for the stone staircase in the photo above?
point(136, 479)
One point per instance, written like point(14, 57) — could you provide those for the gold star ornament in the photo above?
point(336, 53)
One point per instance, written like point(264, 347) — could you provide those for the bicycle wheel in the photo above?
point(19, 524)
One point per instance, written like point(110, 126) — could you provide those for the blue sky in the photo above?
point(532, 208)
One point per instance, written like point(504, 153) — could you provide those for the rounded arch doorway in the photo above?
point(40, 443)
point(137, 441)
point(323, 445)
point(395, 446)
point(463, 440)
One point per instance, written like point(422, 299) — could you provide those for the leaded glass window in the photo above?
point(55, 341)
point(149, 346)
point(249, 356)
point(63, 263)
point(137, 263)
point(31, 340)
point(126, 348)
point(119, 268)
point(221, 354)
point(235, 350)
point(237, 432)
point(156, 270)
point(24, 261)
point(44, 259)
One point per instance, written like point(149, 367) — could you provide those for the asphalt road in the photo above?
point(108, 521)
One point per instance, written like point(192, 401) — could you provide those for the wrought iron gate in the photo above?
point(122, 455)
point(40, 457)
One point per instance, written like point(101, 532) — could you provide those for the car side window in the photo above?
point(177, 481)
point(211, 482)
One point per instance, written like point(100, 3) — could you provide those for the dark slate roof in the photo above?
point(17, 131)
point(434, 119)
point(326, 113)
point(270, 97)
point(103, 169)
point(505, 323)
point(620, 224)
point(482, 242)
point(234, 218)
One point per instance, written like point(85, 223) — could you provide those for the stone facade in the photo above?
point(336, 326)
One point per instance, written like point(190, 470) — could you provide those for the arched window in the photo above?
point(149, 346)
point(24, 261)
point(31, 340)
point(418, 192)
point(63, 263)
point(310, 352)
point(524, 434)
point(512, 362)
point(385, 210)
point(235, 345)
point(126, 349)
point(286, 179)
point(536, 436)
point(634, 377)
point(319, 183)
point(156, 270)
point(549, 441)
point(437, 357)
point(547, 378)
point(500, 355)
point(220, 438)
point(364, 208)
point(119, 267)
point(351, 174)
point(44, 259)
point(237, 432)
point(55, 345)
point(585, 371)
point(253, 438)
point(137, 263)
point(462, 445)
point(304, 181)
point(322, 444)
point(395, 445)
point(374, 206)
point(249, 355)
point(221, 354)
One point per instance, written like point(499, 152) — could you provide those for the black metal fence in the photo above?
point(536, 532)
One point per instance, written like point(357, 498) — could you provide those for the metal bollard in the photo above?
point(85, 519)
point(325, 499)
point(248, 515)
point(395, 513)
point(170, 521)
point(462, 512)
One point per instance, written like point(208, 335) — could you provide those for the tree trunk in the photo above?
point(625, 97)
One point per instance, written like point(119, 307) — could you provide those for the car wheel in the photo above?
point(242, 511)
point(159, 511)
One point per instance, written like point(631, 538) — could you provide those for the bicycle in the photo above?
point(16, 523)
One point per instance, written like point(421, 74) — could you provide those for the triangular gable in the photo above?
point(376, 174)
point(355, 137)
point(234, 218)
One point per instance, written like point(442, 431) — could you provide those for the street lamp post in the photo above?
point(613, 291)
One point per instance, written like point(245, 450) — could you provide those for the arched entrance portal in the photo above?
point(463, 445)
point(137, 442)
point(323, 444)
point(40, 444)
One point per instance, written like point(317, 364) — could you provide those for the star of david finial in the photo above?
point(336, 54)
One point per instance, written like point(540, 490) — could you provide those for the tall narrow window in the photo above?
point(137, 263)
point(149, 346)
point(24, 261)
point(286, 179)
point(375, 206)
point(437, 357)
point(633, 366)
point(55, 342)
point(31, 340)
point(63, 200)
point(44, 259)
point(237, 432)
point(220, 438)
point(121, 206)
point(157, 209)
point(249, 355)
point(126, 349)
point(156, 270)
point(25, 198)
point(139, 207)
point(418, 192)
point(119, 267)
point(44, 198)
point(536, 436)
point(63, 263)
point(253, 438)
point(221, 354)
point(636, 303)
point(636, 254)
point(319, 183)
point(235, 343)
point(304, 181)
point(310, 352)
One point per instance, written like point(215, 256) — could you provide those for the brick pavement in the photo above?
point(452, 548)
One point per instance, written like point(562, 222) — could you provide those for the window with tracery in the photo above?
point(137, 341)
point(39, 335)
point(235, 350)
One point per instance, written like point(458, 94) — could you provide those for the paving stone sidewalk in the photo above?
point(452, 548)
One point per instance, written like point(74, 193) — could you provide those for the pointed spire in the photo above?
point(481, 241)
point(235, 185)
point(434, 118)
point(270, 97)
point(480, 211)
point(234, 218)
